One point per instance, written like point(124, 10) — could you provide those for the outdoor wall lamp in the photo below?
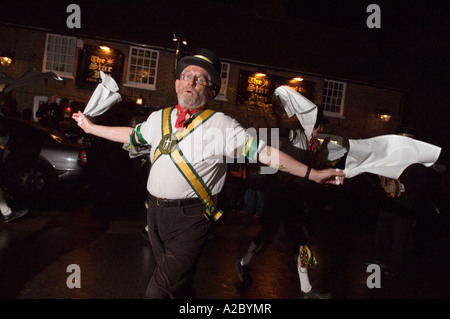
point(383, 115)
point(139, 99)
point(260, 74)
point(7, 58)
point(296, 79)
point(105, 48)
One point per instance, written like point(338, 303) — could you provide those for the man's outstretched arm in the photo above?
point(119, 134)
point(273, 157)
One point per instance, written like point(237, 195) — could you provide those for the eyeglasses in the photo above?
point(197, 79)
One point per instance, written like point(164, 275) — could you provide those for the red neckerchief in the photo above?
point(179, 124)
point(312, 143)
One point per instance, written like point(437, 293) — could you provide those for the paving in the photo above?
point(115, 260)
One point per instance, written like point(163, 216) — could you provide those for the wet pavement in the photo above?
point(116, 261)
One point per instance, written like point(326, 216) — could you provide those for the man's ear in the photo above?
point(177, 81)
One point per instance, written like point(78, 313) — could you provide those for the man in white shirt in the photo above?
point(191, 140)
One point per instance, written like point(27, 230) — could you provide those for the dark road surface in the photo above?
point(116, 261)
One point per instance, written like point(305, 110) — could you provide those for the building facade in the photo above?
point(145, 75)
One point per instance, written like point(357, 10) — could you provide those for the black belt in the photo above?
point(174, 202)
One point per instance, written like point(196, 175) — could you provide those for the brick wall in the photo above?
point(358, 121)
point(361, 105)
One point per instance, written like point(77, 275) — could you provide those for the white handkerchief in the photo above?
point(335, 151)
point(295, 103)
point(104, 96)
point(388, 155)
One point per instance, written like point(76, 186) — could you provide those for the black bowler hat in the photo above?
point(205, 59)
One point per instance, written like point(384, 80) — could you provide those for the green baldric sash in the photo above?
point(169, 146)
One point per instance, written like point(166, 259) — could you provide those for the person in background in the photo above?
point(232, 196)
point(59, 109)
point(285, 205)
point(140, 157)
point(254, 192)
point(8, 103)
point(45, 113)
point(398, 208)
point(9, 214)
point(187, 174)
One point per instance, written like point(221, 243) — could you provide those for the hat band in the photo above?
point(203, 58)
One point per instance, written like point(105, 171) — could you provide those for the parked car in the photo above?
point(37, 160)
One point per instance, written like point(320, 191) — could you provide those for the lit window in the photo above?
point(142, 68)
point(333, 97)
point(59, 54)
point(224, 78)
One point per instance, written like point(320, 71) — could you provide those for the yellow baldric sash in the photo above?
point(169, 146)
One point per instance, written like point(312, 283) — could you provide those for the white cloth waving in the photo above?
point(295, 103)
point(104, 96)
point(388, 155)
point(333, 151)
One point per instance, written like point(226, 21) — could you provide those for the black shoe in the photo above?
point(312, 294)
point(243, 271)
point(16, 214)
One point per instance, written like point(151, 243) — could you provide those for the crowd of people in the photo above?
point(51, 112)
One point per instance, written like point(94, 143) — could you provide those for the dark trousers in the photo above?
point(177, 236)
point(391, 237)
point(284, 206)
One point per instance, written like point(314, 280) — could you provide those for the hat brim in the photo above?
point(190, 60)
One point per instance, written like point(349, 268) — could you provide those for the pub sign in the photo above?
point(92, 60)
point(255, 90)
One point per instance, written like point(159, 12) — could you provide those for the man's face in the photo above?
point(193, 95)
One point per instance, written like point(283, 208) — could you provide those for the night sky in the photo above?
point(409, 51)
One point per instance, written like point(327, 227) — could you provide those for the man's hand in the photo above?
point(327, 176)
point(82, 121)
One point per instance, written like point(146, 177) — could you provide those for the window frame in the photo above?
point(224, 76)
point(140, 85)
point(342, 91)
point(69, 56)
